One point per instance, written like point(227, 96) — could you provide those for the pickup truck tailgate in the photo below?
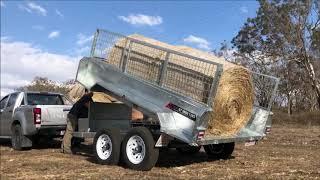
point(54, 114)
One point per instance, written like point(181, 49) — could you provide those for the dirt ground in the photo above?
point(287, 153)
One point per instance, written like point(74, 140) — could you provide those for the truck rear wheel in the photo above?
point(189, 149)
point(138, 150)
point(107, 146)
point(16, 137)
point(219, 151)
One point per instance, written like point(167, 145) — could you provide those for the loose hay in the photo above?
point(77, 91)
point(234, 98)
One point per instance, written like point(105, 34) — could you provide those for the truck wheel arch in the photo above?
point(22, 124)
point(26, 141)
point(15, 122)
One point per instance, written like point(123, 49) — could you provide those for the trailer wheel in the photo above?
point(107, 146)
point(138, 150)
point(189, 149)
point(219, 151)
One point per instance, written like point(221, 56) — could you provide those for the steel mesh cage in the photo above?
point(190, 77)
point(264, 87)
point(105, 44)
point(145, 62)
point(177, 72)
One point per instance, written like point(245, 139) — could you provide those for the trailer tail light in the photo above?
point(268, 130)
point(37, 115)
point(200, 135)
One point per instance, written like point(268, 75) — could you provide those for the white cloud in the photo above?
point(54, 34)
point(83, 39)
point(38, 27)
point(198, 42)
point(5, 91)
point(82, 51)
point(244, 9)
point(141, 19)
point(37, 8)
point(21, 62)
point(24, 8)
point(5, 38)
point(32, 7)
point(59, 13)
point(2, 4)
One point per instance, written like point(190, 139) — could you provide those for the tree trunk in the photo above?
point(289, 104)
point(314, 80)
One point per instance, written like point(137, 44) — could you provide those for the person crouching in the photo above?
point(78, 110)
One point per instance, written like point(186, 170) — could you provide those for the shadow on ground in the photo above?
point(41, 144)
point(172, 158)
point(167, 157)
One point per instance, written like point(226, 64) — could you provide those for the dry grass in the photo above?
point(298, 119)
point(287, 153)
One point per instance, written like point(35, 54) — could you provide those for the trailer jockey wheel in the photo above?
point(138, 151)
point(107, 146)
point(219, 151)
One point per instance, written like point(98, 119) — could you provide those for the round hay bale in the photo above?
point(233, 102)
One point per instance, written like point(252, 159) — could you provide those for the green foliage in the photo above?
point(281, 29)
point(284, 40)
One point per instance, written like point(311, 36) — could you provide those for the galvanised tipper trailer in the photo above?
point(173, 118)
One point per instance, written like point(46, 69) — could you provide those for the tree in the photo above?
point(225, 51)
point(287, 34)
point(44, 84)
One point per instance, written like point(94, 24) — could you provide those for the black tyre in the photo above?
point(16, 137)
point(35, 140)
point(138, 150)
point(219, 151)
point(189, 149)
point(106, 146)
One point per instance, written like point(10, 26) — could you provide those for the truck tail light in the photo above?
point(200, 135)
point(37, 115)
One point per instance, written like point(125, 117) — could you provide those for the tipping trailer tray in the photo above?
point(176, 96)
point(155, 101)
point(161, 94)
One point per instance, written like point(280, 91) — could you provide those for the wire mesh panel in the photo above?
point(109, 46)
point(145, 62)
point(264, 89)
point(189, 77)
point(179, 73)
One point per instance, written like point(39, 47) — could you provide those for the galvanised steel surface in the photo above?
point(151, 99)
point(148, 77)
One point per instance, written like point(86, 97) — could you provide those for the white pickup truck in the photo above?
point(25, 116)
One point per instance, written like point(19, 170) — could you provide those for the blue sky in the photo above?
point(214, 21)
point(65, 28)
